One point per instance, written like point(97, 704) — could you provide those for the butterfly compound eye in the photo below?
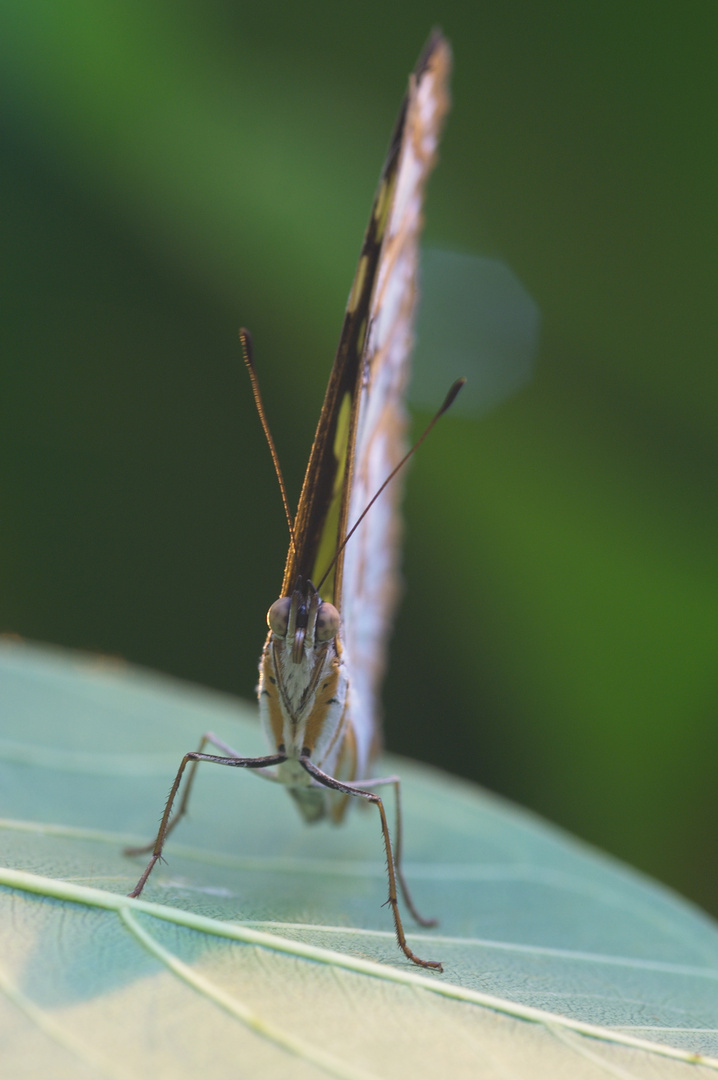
point(327, 622)
point(278, 616)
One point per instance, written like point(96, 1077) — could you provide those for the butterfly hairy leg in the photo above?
point(209, 738)
point(349, 789)
point(395, 781)
point(192, 759)
point(229, 751)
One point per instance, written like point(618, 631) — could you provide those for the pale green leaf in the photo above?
point(261, 948)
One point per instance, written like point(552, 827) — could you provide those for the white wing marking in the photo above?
point(370, 581)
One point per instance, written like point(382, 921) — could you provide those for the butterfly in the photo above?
point(323, 658)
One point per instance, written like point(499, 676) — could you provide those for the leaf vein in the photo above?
point(237, 1009)
point(80, 894)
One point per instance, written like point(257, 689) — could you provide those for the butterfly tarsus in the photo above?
point(391, 860)
point(395, 782)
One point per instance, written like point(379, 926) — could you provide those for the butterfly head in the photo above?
point(303, 620)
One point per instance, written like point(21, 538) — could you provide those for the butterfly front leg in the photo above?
point(395, 781)
point(168, 823)
point(350, 789)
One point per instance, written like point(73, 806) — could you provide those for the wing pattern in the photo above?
point(362, 427)
point(369, 587)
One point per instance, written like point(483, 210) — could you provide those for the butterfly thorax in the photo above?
point(303, 691)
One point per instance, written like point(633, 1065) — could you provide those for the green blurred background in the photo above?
point(171, 170)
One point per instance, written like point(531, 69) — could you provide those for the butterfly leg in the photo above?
point(395, 781)
point(192, 759)
point(209, 738)
point(214, 740)
point(349, 789)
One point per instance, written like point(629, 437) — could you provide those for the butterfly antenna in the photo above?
point(246, 340)
point(446, 404)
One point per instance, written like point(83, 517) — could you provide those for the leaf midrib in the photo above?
point(91, 897)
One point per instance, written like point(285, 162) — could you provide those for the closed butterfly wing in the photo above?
point(361, 437)
point(368, 583)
